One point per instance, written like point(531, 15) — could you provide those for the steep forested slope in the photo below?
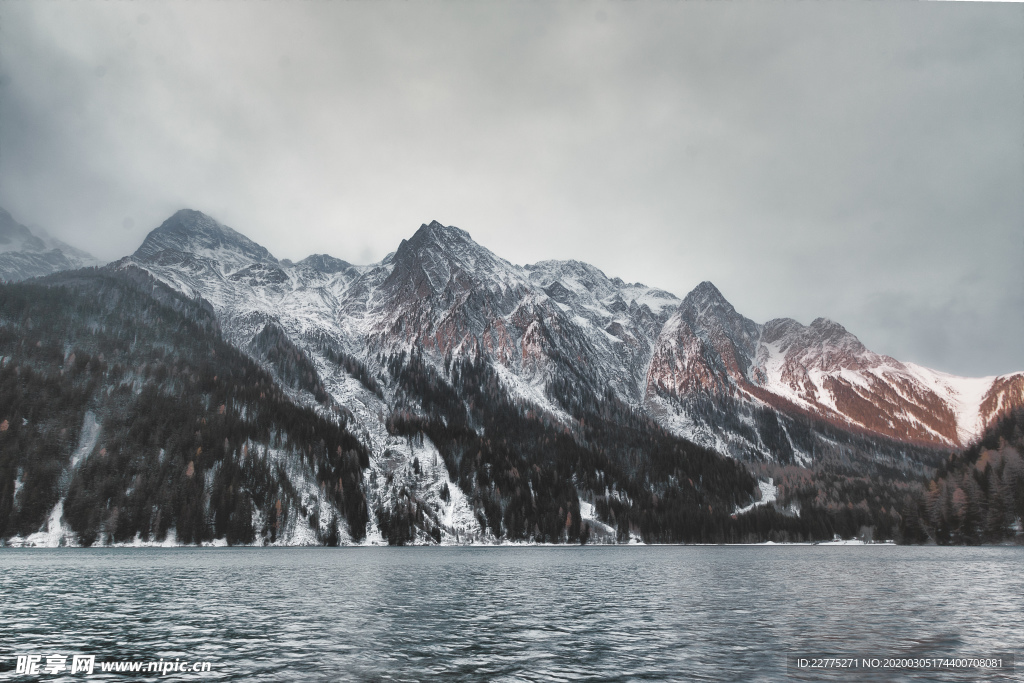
point(977, 495)
point(126, 415)
point(529, 476)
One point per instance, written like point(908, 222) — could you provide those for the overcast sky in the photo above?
point(862, 161)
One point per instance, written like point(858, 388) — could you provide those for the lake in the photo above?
point(626, 613)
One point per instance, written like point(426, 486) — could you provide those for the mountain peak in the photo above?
point(439, 257)
point(193, 232)
point(706, 291)
point(16, 237)
point(704, 300)
point(824, 343)
point(440, 240)
point(441, 234)
point(325, 263)
point(820, 331)
point(733, 337)
point(826, 326)
point(26, 252)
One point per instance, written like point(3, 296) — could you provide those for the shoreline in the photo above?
point(216, 545)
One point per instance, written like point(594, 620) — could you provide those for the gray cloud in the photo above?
point(861, 161)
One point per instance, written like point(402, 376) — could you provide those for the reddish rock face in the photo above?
point(821, 370)
point(1005, 394)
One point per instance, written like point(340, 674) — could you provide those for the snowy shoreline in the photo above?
point(222, 543)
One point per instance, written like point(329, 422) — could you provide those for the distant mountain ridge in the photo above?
point(25, 254)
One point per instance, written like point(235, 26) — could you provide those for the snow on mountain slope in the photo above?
point(439, 292)
point(629, 316)
point(975, 401)
point(444, 294)
point(194, 233)
point(25, 254)
point(1006, 393)
point(821, 370)
point(827, 370)
point(57, 532)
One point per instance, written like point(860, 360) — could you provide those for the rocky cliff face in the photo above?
point(821, 370)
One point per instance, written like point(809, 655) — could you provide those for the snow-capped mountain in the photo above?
point(439, 293)
point(821, 370)
point(544, 402)
point(25, 254)
point(442, 293)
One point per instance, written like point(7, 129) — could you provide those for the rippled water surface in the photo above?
point(504, 614)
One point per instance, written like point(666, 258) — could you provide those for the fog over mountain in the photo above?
point(26, 253)
point(862, 162)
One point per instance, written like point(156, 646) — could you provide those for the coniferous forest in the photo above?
point(976, 495)
point(189, 434)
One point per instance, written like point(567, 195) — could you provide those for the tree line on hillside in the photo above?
point(852, 484)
